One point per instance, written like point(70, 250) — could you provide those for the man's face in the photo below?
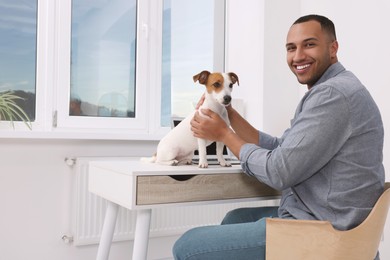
point(310, 51)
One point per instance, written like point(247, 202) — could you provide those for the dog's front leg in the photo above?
point(202, 153)
point(221, 160)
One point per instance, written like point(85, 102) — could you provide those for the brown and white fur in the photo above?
point(178, 146)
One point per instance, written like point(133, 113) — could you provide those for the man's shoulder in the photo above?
point(338, 78)
point(345, 82)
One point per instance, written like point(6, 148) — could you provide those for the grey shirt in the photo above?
point(328, 164)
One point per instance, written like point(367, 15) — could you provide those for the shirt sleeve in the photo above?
point(317, 133)
point(267, 141)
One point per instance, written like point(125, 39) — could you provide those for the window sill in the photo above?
point(82, 134)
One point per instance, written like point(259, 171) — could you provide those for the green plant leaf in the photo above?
point(10, 111)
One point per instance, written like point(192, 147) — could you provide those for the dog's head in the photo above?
point(219, 85)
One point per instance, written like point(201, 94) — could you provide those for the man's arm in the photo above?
point(241, 127)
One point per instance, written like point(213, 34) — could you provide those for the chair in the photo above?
point(318, 240)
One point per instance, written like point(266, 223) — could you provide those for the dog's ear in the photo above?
point(202, 77)
point(234, 78)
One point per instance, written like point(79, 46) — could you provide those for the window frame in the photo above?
point(138, 124)
point(53, 80)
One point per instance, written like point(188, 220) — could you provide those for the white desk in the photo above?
point(143, 186)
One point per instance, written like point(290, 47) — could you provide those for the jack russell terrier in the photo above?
point(178, 146)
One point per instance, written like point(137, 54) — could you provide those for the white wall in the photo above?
point(256, 52)
point(245, 54)
point(35, 183)
point(36, 199)
point(281, 90)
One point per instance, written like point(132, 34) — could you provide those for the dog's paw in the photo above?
point(188, 161)
point(225, 164)
point(203, 165)
point(173, 163)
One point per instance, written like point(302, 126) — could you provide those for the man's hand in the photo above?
point(209, 126)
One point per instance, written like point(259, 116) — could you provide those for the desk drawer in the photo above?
point(189, 188)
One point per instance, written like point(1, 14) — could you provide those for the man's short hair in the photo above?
point(326, 24)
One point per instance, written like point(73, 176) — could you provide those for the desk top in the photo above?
point(136, 167)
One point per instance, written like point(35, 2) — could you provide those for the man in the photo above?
point(328, 164)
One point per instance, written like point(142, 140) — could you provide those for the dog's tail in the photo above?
point(149, 159)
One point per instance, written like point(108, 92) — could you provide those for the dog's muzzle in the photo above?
point(226, 100)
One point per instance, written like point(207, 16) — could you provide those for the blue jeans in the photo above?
point(241, 235)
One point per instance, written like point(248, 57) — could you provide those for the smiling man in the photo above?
point(328, 164)
point(311, 49)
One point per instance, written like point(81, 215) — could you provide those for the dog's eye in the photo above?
point(231, 85)
point(217, 84)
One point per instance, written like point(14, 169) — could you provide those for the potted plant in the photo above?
point(10, 110)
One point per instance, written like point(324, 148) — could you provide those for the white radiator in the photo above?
point(89, 212)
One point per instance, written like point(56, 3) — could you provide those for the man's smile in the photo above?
point(302, 68)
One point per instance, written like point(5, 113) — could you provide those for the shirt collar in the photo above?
point(331, 72)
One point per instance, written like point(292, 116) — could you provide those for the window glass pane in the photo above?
point(191, 44)
point(18, 23)
point(103, 58)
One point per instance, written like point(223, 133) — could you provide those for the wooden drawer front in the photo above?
point(166, 189)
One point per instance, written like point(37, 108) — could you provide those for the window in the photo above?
point(18, 30)
point(102, 83)
point(103, 56)
point(108, 69)
point(193, 41)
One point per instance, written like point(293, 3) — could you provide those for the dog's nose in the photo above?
point(227, 99)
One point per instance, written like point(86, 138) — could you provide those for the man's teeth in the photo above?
point(301, 67)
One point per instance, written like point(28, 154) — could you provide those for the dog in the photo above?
point(178, 146)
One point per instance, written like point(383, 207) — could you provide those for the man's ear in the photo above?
point(333, 49)
point(202, 77)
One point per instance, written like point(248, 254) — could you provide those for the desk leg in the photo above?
point(141, 237)
point(107, 231)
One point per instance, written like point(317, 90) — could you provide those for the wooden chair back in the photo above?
point(310, 239)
